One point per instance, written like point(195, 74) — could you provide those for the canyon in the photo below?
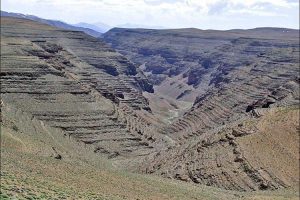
point(212, 114)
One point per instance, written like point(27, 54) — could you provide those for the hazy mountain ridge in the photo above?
point(54, 23)
point(100, 27)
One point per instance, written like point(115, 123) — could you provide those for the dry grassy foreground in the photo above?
point(29, 170)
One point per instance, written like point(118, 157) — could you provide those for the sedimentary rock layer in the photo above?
point(77, 83)
point(241, 84)
point(229, 76)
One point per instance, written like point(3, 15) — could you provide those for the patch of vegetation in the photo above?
point(15, 128)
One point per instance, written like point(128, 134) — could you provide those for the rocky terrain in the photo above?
point(75, 82)
point(39, 162)
point(228, 76)
point(192, 61)
point(214, 108)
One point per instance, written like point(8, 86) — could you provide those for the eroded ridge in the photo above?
point(76, 83)
point(229, 76)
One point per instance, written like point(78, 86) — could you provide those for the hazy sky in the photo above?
point(204, 14)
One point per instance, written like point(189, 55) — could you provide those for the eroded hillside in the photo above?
point(187, 65)
point(223, 111)
point(76, 83)
point(253, 154)
point(39, 162)
point(228, 76)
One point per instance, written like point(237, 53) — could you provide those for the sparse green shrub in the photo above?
point(15, 128)
point(3, 196)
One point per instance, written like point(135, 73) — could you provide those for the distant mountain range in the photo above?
point(100, 27)
point(129, 25)
point(93, 29)
point(95, 32)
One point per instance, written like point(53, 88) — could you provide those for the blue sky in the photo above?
point(203, 14)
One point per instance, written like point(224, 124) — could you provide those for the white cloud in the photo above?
point(213, 14)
